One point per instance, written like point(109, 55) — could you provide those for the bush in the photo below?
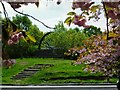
point(100, 55)
point(20, 50)
point(65, 39)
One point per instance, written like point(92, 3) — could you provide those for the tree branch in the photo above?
point(5, 13)
point(106, 19)
point(33, 18)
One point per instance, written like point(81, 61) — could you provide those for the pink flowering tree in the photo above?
point(90, 10)
point(99, 53)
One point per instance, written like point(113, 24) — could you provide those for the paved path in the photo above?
point(30, 71)
point(81, 87)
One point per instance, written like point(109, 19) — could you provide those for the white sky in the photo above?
point(50, 13)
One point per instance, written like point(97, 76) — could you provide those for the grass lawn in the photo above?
point(61, 72)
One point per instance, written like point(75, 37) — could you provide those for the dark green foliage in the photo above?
point(63, 38)
point(20, 50)
point(24, 48)
point(41, 40)
point(92, 30)
point(22, 22)
point(36, 33)
point(5, 34)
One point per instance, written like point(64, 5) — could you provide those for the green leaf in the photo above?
point(94, 8)
point(31, 37)
point(108, 8)
point(24, 39)
point(68, 21)
point(86, 13)
point(71, 13)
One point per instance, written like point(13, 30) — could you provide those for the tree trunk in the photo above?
point(107, 33)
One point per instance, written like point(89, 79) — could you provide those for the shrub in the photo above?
point(100, 55)
point(20, 50)
point(63, 38)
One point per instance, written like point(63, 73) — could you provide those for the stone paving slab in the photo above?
point(31, 70)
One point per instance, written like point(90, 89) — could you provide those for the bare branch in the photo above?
point(33, 18)
point(5, 12)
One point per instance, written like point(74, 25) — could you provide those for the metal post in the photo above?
point(118, 83)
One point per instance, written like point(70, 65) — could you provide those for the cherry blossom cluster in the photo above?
point(80, 22)
point(102, 56)
point(82, 5)
point(99, 55)
point(15, 37)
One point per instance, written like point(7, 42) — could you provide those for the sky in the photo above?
point(50, 13)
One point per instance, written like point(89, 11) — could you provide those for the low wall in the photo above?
point(49, 53)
